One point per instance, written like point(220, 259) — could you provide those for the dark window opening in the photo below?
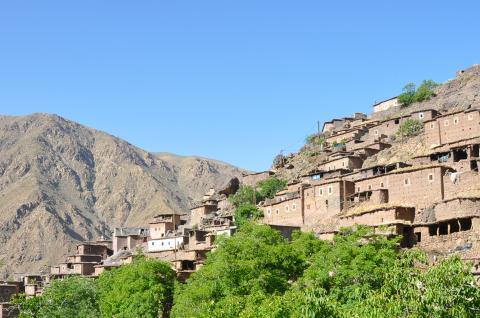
point(418, 237)
point(443, 229)
point(440, 157)
point(475, 151)
point(466, 224)
point(459, 154)
point(188, 265)
point(397, 121)
point(326, 203)
point(454, 227)
point(432, 230)
point(474, 165)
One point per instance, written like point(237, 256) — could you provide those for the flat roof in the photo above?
point(385, 100)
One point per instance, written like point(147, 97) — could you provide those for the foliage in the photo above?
point(270, 187)
point(411, 94)
point(247, 212)
point(141, 289)
point(359, 274)
point(315, 139)
point(245, 271)
point(410, 127)
point(407, 97)
point(72, 297)
point(245, 195)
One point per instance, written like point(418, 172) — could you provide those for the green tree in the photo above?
point(73, 297)
point(247, 269)
point(410, 127)
point(270, 187)
point(245, 195)
point(247, 212)
point(407, 97)
point(141, 289)
point(425, 90)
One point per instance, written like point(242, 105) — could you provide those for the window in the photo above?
point(445, 123)
point(375, 132)
point(326, 203)
point(421, 115)
point(308, 206)
point(320, 191)
point(430, 177)
point(286, 208)
point(269, 211)
point(455, 121)
point(369, 187)
point(343, 164)
point(432, 125)
point(330, 190)
point(276, 211)
point(397, 121)
point(358, 189)
point(381, 185)
point(294, 207)
point(470, 117)
point(406, 181)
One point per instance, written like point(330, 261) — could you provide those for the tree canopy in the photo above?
point(256, 273)
point(411, 94)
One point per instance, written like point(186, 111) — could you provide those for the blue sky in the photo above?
point(237, 81)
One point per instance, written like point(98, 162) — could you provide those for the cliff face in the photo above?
point(61, 182)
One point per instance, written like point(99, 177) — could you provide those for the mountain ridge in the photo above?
point(62, 182)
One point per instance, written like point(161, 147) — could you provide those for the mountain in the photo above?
point(61, 183)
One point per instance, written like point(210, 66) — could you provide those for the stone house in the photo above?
point(452, 127)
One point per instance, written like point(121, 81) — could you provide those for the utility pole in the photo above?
point(318, 127)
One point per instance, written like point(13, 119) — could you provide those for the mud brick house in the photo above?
point(338, 124)
point(202, 210)
point(283, 209)
point(419, 185)
point(450, 226)
point(128, 238)
point(252, 179)
point(462, 156)
point(386, 104)
point(393, 219)
point(325, 198)
point(452, 127)
point(343, 162)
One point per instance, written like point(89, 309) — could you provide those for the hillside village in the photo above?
point(357, 170)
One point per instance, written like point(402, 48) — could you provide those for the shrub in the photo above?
point(245, 195)
point(410, 127)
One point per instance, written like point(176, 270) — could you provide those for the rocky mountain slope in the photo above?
point(61, 182)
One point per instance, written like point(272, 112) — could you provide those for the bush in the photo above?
point(410, 94)
point(410, 128)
